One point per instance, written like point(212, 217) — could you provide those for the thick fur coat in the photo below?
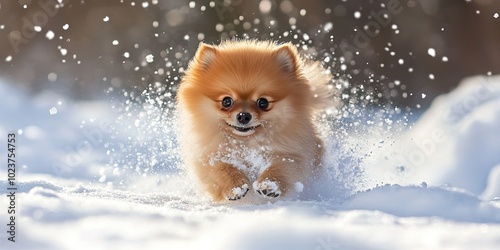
point(246, 112)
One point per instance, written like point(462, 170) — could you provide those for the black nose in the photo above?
point(243, 117)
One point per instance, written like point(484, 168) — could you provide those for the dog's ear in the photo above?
point(205, 55)
point(286, 55)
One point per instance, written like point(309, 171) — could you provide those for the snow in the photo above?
point(328, 26)
point(50, 34)
point(299, 187)
point(53, 111)
point(52, 76)
point(90, 176)
point(431, 52)
point(466, 150)
point(63, 51)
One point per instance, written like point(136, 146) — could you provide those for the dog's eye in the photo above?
point(227, 102)
point(263, 104)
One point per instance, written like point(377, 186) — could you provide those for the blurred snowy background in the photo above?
point(381, 41)
point(413, 155)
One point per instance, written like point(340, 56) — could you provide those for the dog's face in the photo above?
point(244, 116)
point(244, 90)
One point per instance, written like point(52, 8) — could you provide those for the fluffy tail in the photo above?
point(321, 84)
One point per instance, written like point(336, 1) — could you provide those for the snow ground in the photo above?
point(435, 185)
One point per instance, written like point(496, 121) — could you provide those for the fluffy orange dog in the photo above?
point(246, 110)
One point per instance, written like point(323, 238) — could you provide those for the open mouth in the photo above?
point(244, 130)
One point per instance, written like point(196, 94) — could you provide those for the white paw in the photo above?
point(267, 188)
point(238, 192)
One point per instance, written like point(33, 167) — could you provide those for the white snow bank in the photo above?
point(68, 143)
point(356, 229)
point(413, 201)
point(457, 141)
point(57, 217)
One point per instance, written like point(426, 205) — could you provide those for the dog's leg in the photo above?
point(225, 182)
point(279, 177)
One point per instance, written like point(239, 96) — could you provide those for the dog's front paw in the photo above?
point(267, 188)
point(237, 193)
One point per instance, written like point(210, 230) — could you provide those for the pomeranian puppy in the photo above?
point(246, 111)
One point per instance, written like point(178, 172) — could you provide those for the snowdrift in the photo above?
point(436, 186)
